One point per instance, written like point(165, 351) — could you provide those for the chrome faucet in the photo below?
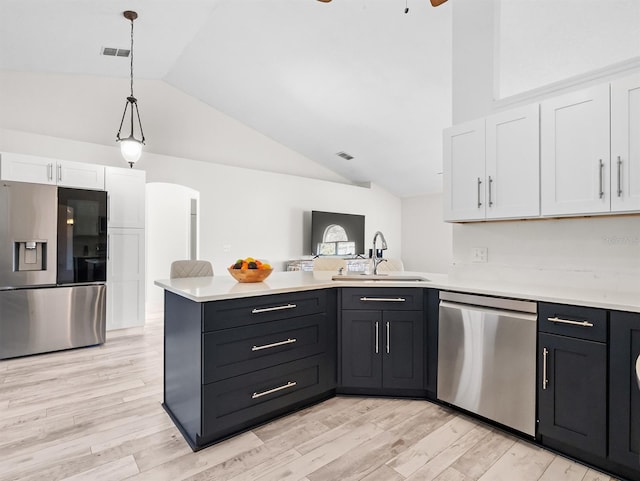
point(374, 256)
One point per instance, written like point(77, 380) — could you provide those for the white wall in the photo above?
point(599, 252)
point(593, 253)
point(254, 213)
point(542, 42)
point(261, 214)
point(426, 239)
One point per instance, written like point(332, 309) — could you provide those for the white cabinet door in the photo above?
point(125, 278)
point(575, 153)
point(126, 192)
point(27, 168)
point(42, 170)
point(464, 172)
point(80, 175)
point(625, 144)
point(513, 164)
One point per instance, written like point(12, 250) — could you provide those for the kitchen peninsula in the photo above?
point(237, 354)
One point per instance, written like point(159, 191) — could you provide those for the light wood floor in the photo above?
point(94, 414)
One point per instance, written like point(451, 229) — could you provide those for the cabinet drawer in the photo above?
point(240, 350)
point(233, 404)
point(253, 310)
point(382, 298)
point(580, 322)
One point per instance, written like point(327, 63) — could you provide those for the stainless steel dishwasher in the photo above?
point(487, 357)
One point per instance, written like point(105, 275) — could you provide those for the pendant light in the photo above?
point(131, 147)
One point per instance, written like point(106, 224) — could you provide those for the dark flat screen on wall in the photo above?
point(334, 234)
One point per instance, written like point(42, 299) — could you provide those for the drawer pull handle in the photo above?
point(383, 299)
point(275, 344)
point(545, 381)
point(290, 384)
point(567, 321)
point(270, 309)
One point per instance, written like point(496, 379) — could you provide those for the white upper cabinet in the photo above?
point(625, 144)
point(43, 170)
point(27, 168)
point(126, 196)
point(513, 164)
point(464, 171)
point(491, 167)
point(80, 175)
point(575, 165)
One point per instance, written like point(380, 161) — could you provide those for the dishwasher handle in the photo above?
point(490, 310)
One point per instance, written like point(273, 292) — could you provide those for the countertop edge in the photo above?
point(206, 289)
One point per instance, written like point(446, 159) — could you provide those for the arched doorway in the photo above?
point(172, 234)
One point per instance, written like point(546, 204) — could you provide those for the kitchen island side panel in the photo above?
point(182, 363)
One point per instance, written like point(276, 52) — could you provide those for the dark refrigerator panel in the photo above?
point(82, 236)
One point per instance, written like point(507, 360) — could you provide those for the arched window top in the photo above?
point(334, 233)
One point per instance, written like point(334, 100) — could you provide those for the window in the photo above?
point(335, 242)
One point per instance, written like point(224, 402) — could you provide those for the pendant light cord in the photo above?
point(131, 58)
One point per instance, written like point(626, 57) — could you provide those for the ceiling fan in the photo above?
point(434, 3)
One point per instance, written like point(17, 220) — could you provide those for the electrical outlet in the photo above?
point(479, 254)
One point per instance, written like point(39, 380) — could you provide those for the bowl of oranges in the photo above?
point(250, 270)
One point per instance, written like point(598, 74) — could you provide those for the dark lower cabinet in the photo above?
point(572, 392)
point(383, 349)
point(383, 341)
point(232, 364)
point(588, 388)
point(572, 378)
point(624, 363)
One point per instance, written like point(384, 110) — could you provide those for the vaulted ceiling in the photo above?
point(358, 76)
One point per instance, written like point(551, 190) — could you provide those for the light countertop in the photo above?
point(203, 289)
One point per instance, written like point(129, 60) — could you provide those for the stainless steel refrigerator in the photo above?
point(53, 244)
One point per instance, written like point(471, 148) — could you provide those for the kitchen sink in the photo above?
point(380, 277)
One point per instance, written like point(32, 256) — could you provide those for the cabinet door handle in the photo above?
point(290, 384)
point(276, 308)
point(275, 344)
point(637, 370)
point(388, 336)
point(490, 184)
point(479, 184)
point(619, 177)
point(601, 178)
point(377, 336)
point(59, 173)
point(108, 247)
point(545, 381)
point(50, 171)
point(559, 320)
point(383, 299)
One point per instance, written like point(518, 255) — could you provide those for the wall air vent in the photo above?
point(344, 155)
point(115, 52)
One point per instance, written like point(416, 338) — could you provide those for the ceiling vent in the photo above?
point(115, 52)
point(344, 155)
